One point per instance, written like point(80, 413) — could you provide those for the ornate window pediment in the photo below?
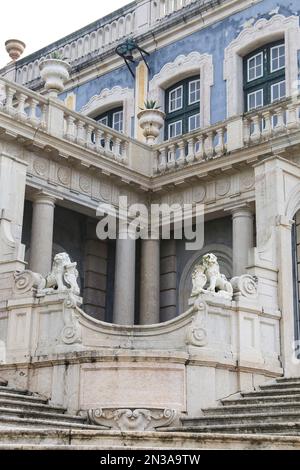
point(183, 67)
point(277, 28)
point(108, 99)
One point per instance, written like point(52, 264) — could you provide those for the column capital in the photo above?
point(240, 209)
point(43, 197)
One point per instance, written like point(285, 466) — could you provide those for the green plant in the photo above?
point(56, 55)
point(151, 104)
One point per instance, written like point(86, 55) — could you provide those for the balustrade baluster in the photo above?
point(43, 123)
point(181, 160)
point(70, 134)
point(256, 134)
point(117, 148)
point(99, 139)
point(266, 124)
point(209, 144)
point(21, 114)
point(191, 150)
point(9, 109)
point(171, 156)
point(33, 119)
point(280, 125)
point(89, 137)
point(200, 153)
point(220, 147)
point(162, 165)
point(80, 137)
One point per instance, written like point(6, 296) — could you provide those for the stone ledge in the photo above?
point(38, 439)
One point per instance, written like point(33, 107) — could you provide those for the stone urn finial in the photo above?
point(151, 120)
point(14, 48)
point(55, 72)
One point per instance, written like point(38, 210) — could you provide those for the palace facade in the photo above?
point(137, 330)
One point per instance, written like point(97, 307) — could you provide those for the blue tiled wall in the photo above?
point(211, 40)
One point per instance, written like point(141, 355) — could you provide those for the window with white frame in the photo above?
point(277, 57)
point(255, 99)
point(194, 122)
point(112, 118)
point(264, 76)
point(175, 99)
point(278, 91)
point(175, 129)
point(255, 68)
point(194, 91)
point(182, 104)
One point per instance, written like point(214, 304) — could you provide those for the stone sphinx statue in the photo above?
point(207, 279)
point(63, 277)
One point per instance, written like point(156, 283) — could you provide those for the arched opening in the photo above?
point(296, 272)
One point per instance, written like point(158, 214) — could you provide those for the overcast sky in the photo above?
point(38, 23)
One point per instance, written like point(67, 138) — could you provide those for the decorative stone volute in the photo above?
point(151, 121)
point(14, 48)
point(55, 72)
point(62, 278)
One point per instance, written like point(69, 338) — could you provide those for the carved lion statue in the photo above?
point(207, 278)
point(63, 275)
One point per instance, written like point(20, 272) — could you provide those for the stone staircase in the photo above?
point(20, 408)
point(268, 418)
point(272, 409)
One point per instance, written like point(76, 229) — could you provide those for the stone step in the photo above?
point(261, 400)
point(22, 397)
point(31, 406)
point(25, 413)
point(239, 408)
point(243, 418)
point(10, 422)
point(286, 380)
point(279, 386)
point(15, 391)
point(284, 428)
point(267, 393)
point(34, 438)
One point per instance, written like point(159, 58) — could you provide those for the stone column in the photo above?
point(242, 228)
point(150, 285)
point(42, 233)
point(124, 289)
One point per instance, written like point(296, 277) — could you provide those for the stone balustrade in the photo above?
point(97, 137)
point(270, 121)
point(23, 104)
point(54, 118)
point(196, 146)
point(218, 140)
point(133, 19)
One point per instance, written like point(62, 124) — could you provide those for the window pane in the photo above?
point(255, 99)
point(118, 121)
point(104, 121)
point(175, 129)
point(277, 58)
point(175, 99)
point(194, 91)
point(194, 122)
point(278, 91)
point(255, 67)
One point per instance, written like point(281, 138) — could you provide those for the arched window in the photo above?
point(264, 76)
point(182, 107)
point(112, 118)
